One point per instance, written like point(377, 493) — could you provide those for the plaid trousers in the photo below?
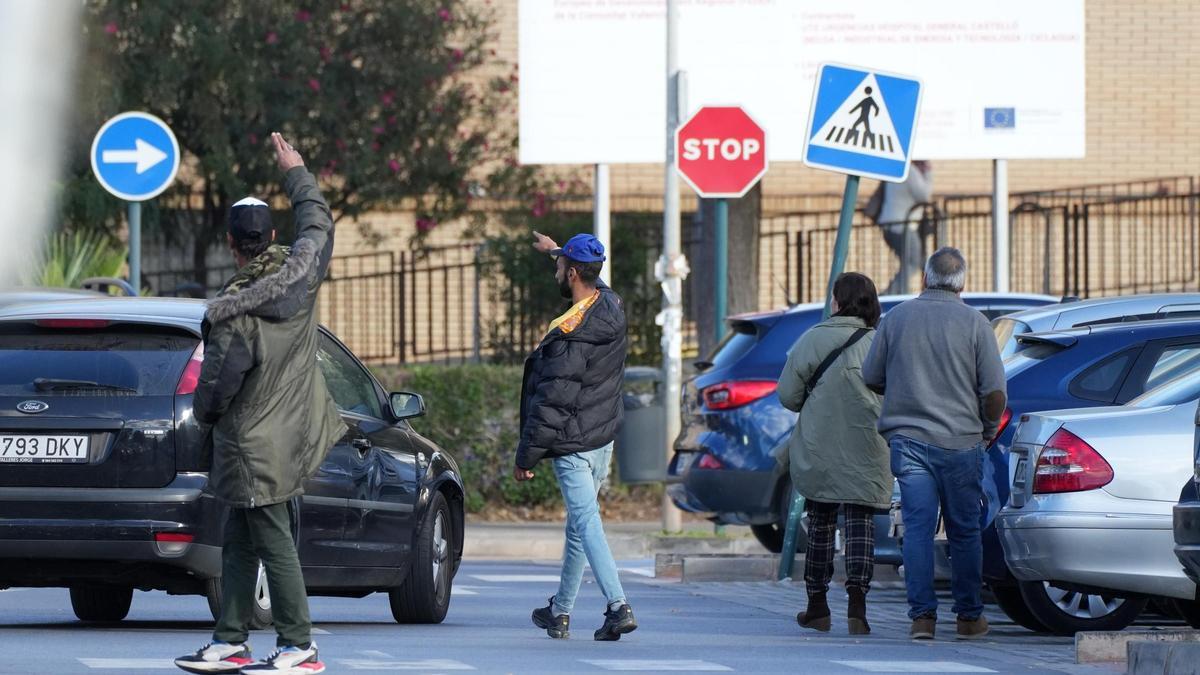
point(860, 546)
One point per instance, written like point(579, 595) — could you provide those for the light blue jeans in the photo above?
point(580, 477)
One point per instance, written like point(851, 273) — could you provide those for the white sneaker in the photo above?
point(288, 661)
point(218, 657)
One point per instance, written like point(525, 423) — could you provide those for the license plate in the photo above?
point(28, 449)
point(1019, 476)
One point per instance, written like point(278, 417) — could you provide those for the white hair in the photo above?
point(946, 269)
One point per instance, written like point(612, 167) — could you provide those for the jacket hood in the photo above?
point(603, 322)
point(273, 286)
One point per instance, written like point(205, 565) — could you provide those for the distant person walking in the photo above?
point(899, 232)
point(936, 363)
point(838, 459)
point(571, 408)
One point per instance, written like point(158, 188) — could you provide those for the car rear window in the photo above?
point(736, 343)
point(1006, 332)
point(122, 359)
point(1182, 389)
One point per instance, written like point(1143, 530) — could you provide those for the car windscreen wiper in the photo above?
point(55, 384)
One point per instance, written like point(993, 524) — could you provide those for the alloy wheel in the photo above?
point(441, 550)
point(1083, 605)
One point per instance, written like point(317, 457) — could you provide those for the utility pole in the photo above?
point(1000, 252)
point(672, 267)
point(602, 218)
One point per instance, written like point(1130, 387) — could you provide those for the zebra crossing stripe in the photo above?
point(426, 665)
point(683, 665)
point(914, 667)
point(129, 664)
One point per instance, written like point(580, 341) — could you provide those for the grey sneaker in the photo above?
point(217, 657)
point(289, 660)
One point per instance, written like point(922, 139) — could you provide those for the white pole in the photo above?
point(1000, 252)
point(602, 219)
point(672, 268)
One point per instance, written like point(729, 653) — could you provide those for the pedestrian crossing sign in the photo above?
point(862, 122)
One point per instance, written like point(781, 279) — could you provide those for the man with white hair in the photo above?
point(935, 361)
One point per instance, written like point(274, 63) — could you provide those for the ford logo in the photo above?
point(32, 407)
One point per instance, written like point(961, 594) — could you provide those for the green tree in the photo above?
point(389, 101)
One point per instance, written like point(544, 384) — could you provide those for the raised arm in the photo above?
point(314, 221)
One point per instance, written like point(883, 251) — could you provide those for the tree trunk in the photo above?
point(744, 221)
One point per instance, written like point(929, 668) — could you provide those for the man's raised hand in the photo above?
point(285, 154)
point(542, 243)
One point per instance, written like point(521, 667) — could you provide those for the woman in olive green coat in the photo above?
point(838, 459)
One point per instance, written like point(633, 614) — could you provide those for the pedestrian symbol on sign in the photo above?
point(861, 124)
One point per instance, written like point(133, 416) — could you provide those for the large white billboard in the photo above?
point(1003, 79)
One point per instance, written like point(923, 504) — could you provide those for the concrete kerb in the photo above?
point(1115, 646)
point(1163, 658)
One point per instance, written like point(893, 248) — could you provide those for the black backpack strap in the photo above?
point(833, 356)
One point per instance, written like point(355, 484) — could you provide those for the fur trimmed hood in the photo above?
point(268, 291)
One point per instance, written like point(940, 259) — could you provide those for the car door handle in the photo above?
point(362, 445)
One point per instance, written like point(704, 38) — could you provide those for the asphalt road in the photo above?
point(745, 628)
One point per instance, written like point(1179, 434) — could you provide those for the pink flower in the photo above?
point(539, 205)
point(377, 130)
point(392, 121)
point(458, 55)
point(388, 97)
point(444, 14)
point(394, 165)
point(375, 146)
point(303, 15)
point(326, 52)
point(272, 37)
point(314, 84)
point(253, 138)
point(111, 28)
point(426, 224)
point(341, 144)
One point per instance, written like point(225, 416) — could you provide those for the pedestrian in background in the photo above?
point(838, 459)
point(899, 232)
point(273, 420)
point(571, 408)
point(936, 363)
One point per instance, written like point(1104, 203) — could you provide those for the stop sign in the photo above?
point(721, 151)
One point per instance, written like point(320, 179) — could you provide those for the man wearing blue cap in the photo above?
point(571, 409)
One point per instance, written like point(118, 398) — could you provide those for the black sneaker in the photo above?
point(558, 627)
point(616, 624)
point(217, 657)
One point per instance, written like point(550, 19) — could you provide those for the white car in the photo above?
point(1088, 528)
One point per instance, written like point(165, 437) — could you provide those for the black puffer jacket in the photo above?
point(571, 392)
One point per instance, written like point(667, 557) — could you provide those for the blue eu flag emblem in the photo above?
point(999, 118)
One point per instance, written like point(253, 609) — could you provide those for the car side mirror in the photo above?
point(406, 405)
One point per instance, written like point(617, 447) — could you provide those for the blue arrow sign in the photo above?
point(135, 156)
point(862, 122)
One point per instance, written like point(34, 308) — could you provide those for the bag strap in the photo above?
point(833, 356)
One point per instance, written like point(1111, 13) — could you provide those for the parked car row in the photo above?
point(1080, 501)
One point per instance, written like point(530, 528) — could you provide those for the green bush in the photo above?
point(474, 414)
point(71, 257)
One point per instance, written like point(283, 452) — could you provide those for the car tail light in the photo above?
point(173, 543)
point(1068, 464)
point(72, 323)
point(728, 395)
point(191, 374)
point(707, 461)
point(1005, 419)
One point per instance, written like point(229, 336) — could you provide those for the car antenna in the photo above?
point(786, 298)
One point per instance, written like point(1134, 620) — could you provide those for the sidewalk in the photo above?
point(544, 541)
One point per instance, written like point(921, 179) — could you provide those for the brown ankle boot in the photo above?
point(856, 612)
point(817, 615)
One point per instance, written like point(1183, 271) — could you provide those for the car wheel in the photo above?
point(1069, 612)
point(262, 599)
point(424, 597)
point(1009, 598)
point(771, 534)
point(101, 603)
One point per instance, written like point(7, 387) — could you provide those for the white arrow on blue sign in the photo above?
point(862, 122)
point(135, 156)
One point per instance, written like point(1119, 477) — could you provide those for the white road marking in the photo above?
point(640, 571)
point(427, 665)
point(516, 578)
point(459, 590)
point(914, 667)
point(658, 665)
point(129, 664)
point(320, 631)
point(376, 654)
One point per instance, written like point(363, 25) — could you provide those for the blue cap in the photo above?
point(584, 248)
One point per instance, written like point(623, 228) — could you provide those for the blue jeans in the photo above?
point(930, 476)
point(580, 477)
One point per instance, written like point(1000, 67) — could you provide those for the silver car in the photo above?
point(1088, 528)
point(1092, 312)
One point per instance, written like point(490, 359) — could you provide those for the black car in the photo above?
point(1187, 516)
point(103, 469)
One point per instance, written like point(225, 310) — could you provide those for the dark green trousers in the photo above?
point(265, 534)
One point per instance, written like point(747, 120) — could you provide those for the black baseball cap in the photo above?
point(250, 220)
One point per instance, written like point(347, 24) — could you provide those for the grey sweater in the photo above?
point(935, 360)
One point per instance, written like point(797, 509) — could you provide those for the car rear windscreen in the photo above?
point(736, 343)
point(119, 360)
point(1006, 332)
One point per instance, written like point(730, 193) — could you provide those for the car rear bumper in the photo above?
point(1186, 527)
point(1122, 552)
point(729, 491)
point(61, 536)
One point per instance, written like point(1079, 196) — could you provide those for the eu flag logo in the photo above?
point(999, 118)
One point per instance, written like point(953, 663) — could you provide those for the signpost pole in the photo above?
point(135, 246)
point(602, 218)
point(721, 268)
point(669, 268)
point(1000, 252)
point(841, 250)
